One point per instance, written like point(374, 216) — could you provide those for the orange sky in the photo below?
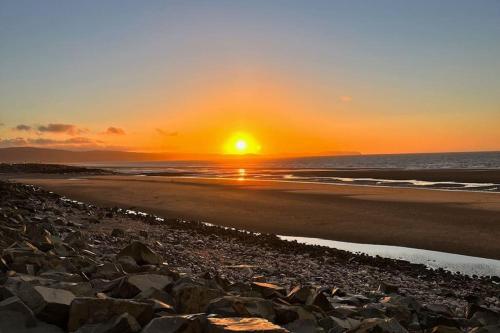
point(301, 79)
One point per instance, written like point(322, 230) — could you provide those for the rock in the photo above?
point(55, 305)
point(486, 317)
point(403, 309)
point(301, 294)
point(269, 290)
point(235, 306)
point(132, 285)
point(118, 232)
point(14, 304)
point(309, 295)
point(288, 313)
point(14, 322)
point(48, 304)
point(141, 253)
point(156, 294)
point(304, 326)
point(77, 239)
point(377, 325)
point(86, 310)
point(440, 309)
point(123, 323)
point(445, 329)
point(338, 325)
point(128, 264)
point(217, 325)
point(486, 329)
point(174, 324)
point(193, 298)
point(108, 271)
point(388, 288)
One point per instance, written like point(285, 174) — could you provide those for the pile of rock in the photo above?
point(56, 275)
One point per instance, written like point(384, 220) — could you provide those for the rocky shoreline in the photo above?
point(69, 266)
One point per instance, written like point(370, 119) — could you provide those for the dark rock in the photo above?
point(376, 325)
point(118, 232)
point(192, 297)
point(445, 329)
point(269, 290)
point(123, 323)
point(132, 285)
point(235, 306)
point(86, 310)
point(14, 304)
point(388, 288)
point(174, 324)
point(141, 253)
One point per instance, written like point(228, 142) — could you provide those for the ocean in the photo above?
point(473, 171)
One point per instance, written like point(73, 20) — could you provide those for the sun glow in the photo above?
point(241, 144)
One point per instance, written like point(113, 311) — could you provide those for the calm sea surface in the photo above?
point(326, 170)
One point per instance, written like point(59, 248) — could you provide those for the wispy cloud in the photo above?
point(22, 127)
point(14, 142)
point(74, 142)
point(114, 131)
point(61, 128)
point(165, 133)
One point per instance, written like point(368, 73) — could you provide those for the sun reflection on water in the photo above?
point(242, 173)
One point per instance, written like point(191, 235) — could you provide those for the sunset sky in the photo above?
point(290, 77)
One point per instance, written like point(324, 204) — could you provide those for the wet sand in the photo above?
point(450, 221)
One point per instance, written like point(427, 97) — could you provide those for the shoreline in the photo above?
point(460, 222)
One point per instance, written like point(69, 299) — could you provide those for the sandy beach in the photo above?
point(450, 221)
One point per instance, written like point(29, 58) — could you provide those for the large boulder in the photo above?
point(86, 310)
point(236, 306)
point(141, 253)
point(254, 325)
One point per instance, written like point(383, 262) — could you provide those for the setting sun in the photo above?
point(241, 143)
